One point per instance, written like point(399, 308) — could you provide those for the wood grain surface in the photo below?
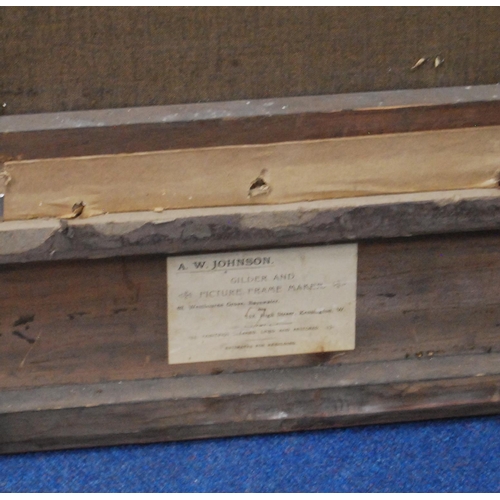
point(228, 405)
point(250, 227)
point(103, 320)
point(159, 128)
point(83, 352)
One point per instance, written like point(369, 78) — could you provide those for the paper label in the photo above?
point(261, 303)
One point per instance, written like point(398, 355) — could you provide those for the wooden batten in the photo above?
point(259, 121)
point(250, 227)
point(268, 174)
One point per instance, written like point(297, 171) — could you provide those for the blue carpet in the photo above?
point(459, 455)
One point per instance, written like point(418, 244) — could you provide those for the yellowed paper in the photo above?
point(261, 174)
point(261, 303)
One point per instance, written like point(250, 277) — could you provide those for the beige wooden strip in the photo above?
point(293, 172)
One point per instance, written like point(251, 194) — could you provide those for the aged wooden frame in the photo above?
point(82, 300)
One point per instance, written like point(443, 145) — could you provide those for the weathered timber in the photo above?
point(81, 322)
point(258, 402)
point(185, 126)
point(250, 227)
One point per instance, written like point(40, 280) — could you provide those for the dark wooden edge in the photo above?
point(248, 403)
point(250, 227)
point(87, 133)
